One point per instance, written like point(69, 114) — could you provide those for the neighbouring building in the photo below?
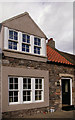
point(35, 75)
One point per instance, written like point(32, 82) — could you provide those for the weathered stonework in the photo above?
point(54, 76)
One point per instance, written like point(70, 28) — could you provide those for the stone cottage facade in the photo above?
point(33, 73)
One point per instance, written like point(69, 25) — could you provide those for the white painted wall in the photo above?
point(6, 37)
point(32, 44)
point(19, 41)
point(43, 47)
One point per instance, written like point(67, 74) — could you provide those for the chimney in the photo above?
point(51, 43)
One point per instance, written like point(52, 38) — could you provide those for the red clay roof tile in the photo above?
point(54, 56)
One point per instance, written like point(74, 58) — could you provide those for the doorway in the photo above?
point(66, 91)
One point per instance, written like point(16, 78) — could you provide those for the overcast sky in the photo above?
point(54, 18)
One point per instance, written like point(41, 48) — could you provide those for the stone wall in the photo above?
point(54, 76)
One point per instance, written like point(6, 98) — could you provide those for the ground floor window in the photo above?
point(25, 90)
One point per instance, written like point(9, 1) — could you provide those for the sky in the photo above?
point(54, 18)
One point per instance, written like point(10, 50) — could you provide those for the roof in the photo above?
point(54, 56)
point(24, 23)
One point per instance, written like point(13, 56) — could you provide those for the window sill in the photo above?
point(29, 102)
point(26, 53)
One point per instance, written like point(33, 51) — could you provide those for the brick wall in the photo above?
point(54, 75)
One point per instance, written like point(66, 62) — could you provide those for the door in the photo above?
point(66, 91)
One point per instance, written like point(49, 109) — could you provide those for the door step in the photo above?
point(68, 107)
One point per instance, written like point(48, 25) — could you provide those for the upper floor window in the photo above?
point(13, 35)
point(25, 43)
point(37, 45)
point(25, 38)
point(37, 41)
point(13, 40)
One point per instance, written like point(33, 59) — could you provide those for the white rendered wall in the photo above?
point(19, 41)
point(5, 38)
point(32, 44)
point(43, 47)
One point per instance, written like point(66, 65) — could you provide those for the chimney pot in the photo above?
point(51, 43)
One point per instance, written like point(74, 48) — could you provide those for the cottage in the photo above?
point(35, 76)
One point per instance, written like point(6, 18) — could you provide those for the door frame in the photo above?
point(70, 89)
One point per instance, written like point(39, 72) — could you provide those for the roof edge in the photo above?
point(15, 17)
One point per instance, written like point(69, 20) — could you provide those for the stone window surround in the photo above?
point(24, 72)
point(66, 76)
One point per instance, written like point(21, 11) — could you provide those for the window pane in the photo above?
point(28, 92)
point(15, 99)
point(36, 81)
point(15, 36)
point(39, 42)
point(29, 80)
point(36, 86)
point(24, 98)
point(24, 92)
point(10, 86)
point(28, 98)
point(35, 41)
point(36, 98)
point(40, 81)
point(27, 48)
point(38, 52)
point(24, 80)
point(10, 34)
point(24, 38)
point(9, 44)
point(11, 93)
point(40, 86)
point(40, 98)
point(29, 86)
point(28, 39)
point(15, 86)
point(10, 80)
point(25, 86)
point(15, 80)
point(23, 47)
point(16, 93)
point(10, 99)
point(14, 45)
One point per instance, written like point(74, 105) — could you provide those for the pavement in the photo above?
point(57, 114)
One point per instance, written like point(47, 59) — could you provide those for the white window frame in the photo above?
point(40, 90)
point(25, 43)
point(37, 46)
point(27, 90)
point(19, 42)
point(11, 103)
point(20, 91)
point(12, 40)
